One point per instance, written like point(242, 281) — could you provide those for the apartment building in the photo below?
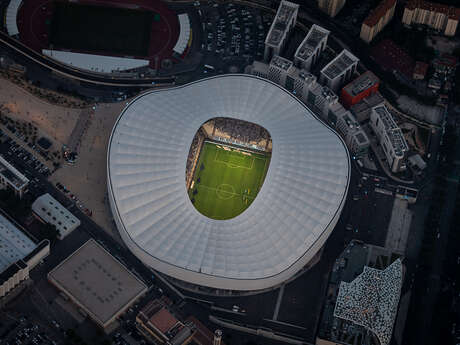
point(390, 137)
point(331, 7)
point(283, 23)
point(339, 71)
point(311, 47)
point(442, 18)
point(377, 19)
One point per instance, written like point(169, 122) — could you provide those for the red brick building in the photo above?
point(365, 85)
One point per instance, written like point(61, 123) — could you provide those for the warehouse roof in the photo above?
point(52, 212)
point(14, 244)
point(97, 282)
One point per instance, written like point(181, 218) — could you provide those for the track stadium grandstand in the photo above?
point(168, 143)
point(135, 34)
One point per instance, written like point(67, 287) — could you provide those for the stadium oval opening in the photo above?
point(226, 166)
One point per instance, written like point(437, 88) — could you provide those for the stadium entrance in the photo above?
point(226, 166)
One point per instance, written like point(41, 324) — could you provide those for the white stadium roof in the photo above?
point(11, 15)
point(96, 63)
point(184, 33)
point(288, 222)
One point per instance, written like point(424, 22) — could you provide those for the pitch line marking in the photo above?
point(231, 165)
point(234, 194)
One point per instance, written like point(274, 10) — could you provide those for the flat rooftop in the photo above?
point(339, 65)
point(14, 244)
point(98, 282)
point(371, 300)
point(281, 62)
point(362, 83)
point(279, 27)
point(11, 174)
point(393, 131)
point(311, 42)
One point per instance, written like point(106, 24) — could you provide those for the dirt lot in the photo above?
point(86, 179)
point(54, 121)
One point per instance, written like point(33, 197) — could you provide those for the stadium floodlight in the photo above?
point(286, 225)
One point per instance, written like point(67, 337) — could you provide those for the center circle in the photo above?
point(225, 191)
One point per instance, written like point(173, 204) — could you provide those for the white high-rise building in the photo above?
point(390, 136)
point(311, 47)
point(283, 23)
point(339, 71)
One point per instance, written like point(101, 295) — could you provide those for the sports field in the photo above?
point(226, 180)
point(101, 29)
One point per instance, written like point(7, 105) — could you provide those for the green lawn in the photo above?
point(226, 182)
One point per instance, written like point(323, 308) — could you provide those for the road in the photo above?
point(76, 74)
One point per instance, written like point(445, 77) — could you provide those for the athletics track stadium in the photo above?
point(135, 34)
point(152, 162)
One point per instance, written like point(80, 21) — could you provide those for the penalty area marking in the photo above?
point(232, 165)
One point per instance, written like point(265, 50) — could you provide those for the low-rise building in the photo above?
point(279, 69)
point(50, 211)
point(284, 21)
point(390, 137)
point(339, 71)
point(320, 99)
point(11, 178)
point(284, 73)
point(18, 255)
point(442, 18)
point(445, 64)
point(309, 51)
point(420, 70)
point(156, 322)
point(377, 19)
point(346, 125)
point(363, 86)
point(362, 110)
point(97, 283)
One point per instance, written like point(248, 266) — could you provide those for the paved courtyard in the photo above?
point(86, 179)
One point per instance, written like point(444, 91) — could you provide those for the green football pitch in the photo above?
point(226, 180)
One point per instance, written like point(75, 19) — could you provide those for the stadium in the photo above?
point(136, 34)
point(214, 130)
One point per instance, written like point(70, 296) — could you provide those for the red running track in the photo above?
point(34, 15)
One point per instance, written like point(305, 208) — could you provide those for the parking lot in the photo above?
point(30, 161)
point(233, 36)
point(17, 329)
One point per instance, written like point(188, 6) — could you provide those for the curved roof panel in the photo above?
point(288, 222)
